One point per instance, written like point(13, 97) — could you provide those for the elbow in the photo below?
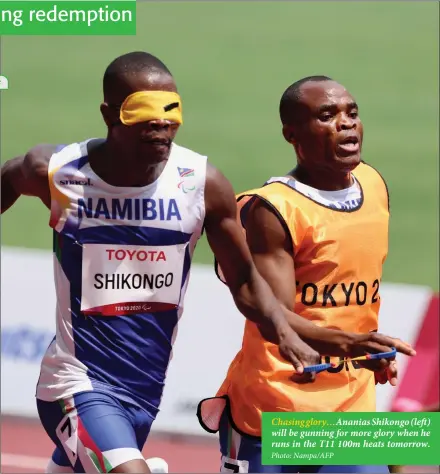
point(256, 302)
point(11, 175)
point(245, 305)
point(256, 314)
point(8, 193)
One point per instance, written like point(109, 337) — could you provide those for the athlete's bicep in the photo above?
point(271, 248)
point(223, 231)
point(35, 171)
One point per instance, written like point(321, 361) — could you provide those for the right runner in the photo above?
point(319, 237)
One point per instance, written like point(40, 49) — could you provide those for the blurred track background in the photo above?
point(232, 61)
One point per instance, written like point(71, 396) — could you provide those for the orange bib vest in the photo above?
point(338, 257)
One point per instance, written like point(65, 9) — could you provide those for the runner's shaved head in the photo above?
point(127, 67)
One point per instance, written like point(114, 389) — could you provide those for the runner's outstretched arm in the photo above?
point(271, 249)
point(252, 295)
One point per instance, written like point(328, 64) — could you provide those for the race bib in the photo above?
point(128, 279)
point(67, 432)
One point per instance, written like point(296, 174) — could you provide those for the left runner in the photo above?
point(127, 212)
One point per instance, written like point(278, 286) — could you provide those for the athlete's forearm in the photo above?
point(256, 302)
point(8, 193)
point(330, 342)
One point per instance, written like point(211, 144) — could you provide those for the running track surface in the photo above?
point(25, 447)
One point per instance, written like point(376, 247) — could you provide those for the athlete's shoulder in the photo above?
point(273, 190)
point(40, 152)
point(365, 169)
point(218, 185)
point(366, 172)
point(35, 162)
point(47, 150)
point(63, 154)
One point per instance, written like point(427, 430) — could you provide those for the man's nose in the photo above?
point(346, 122)
point(159, 124)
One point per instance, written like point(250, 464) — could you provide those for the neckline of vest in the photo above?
point(321, 204)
